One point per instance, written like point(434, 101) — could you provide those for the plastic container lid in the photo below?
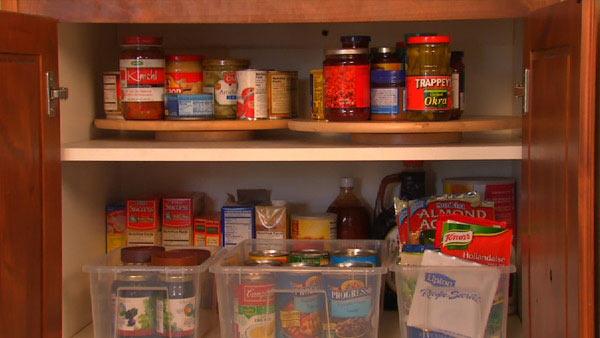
point(347, 182)
point(200, 254)
point(380, 76)
point(409, 35)
point(171, 258)
point(183, 58)
point(143, 40)
point(139, 254)
point(347, 51)
point(429, 39)
point(355, 40)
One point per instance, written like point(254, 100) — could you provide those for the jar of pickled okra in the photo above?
point(429, 78)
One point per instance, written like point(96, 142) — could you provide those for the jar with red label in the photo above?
point(429, 78)
point(347, 84)
point(142, 68)
point(184, 74)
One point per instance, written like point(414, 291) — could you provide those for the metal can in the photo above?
point(111, 86)
point(352, 303)
point(316, 94)
point(279, 91)
point(269, 254)
point(355, 255)
point(262, 262)
point(312, 257)
point(254, 306)
point(321, 226)
point(252, 94)
point(189, 107)
point(300, 303)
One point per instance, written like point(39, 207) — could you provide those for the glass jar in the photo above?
point(142, 68)
point(458, 84)
point(387, 95)
point(347, 89)
point(220, 80)
point(355, 41)
point(184, 74)
point(429, 80)
point(385, 58)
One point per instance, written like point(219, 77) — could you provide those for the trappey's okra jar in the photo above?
point(429, 78)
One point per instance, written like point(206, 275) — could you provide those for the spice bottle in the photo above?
point(221, 81)
point(176, 306)
point(428, 78)
point(458, 84)
point(387, 95)
point(355, 41)
point(346, 87)
point(142, 68)
point(385, 58)
point(352, 216)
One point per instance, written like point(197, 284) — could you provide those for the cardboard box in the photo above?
point(143, 223)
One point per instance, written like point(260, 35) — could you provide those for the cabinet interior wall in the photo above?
point(493, 53)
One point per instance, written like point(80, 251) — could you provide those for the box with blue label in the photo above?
point(189, 107)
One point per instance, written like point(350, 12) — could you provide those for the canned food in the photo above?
point(355, 255)
point(262, 262)
point(316, 94)
point(279, 92)
point(254, 306)
point(300, 304)
point(252, 94)
point(269, 254)
point(311, 257)
point(112, 95)
point(321, 226)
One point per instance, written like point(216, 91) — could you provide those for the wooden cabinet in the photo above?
point(554, 159)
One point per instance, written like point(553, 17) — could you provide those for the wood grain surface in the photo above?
point(30, 181)
point(212, 125)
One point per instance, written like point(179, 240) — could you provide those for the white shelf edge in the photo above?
point(281, 151)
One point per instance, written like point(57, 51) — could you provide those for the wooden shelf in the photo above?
point(322, 149)
point(277, 11)
point(212, 125)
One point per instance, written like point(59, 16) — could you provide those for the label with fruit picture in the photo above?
point(177, 318)
point(135, 316)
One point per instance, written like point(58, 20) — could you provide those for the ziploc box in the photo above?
point(178, 218)
point(237, 224)
point(143, 222)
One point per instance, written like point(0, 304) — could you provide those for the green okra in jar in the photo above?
point(221, 81)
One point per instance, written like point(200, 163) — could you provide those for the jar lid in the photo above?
point(429, 39)
point(383, 50)
point(139, 254)
point(226, 62)
point(355, 39)
point(347, 51)
point(183, 57)
point(143, 40)
point(409, 35)
point(200, 254)
point(171, 258)
point(380, 76)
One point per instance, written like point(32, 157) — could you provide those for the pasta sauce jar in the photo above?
point(347, 91)
point(429, 80)
point(142, 69)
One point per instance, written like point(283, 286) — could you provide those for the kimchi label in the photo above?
point(347, 86)
point(429, 92)
point(142, 80)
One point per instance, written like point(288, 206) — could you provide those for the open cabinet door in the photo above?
point(558, 172)
point(30, 180)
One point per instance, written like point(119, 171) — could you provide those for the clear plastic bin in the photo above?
point(452, 302)
point(290, 301)
point(125, 298)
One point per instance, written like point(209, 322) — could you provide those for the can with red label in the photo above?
point(254, 306)
point(347, 91)
point(429, 78)
point(252, 101)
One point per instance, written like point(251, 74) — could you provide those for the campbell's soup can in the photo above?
point(252, 101)
point(320, 226)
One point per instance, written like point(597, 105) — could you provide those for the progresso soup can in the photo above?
point(252, 101)
point(300, 303)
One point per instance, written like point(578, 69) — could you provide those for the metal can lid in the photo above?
point(383, 50)
point(133, 276)
point(380, 76)
point(226, 62)
point(355, 252)
point(309, 252)
point(262, 262)
point(139, 254)
point(429, 39)
point(268, 253)
point(355, 265)
point(171, 258)
point(143, 40)
point(347, 51)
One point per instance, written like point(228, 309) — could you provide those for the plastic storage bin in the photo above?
point(125, 298)
point(452, 301)
point(291, 301)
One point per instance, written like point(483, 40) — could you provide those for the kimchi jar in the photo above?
point(347, 92)
point(142, 68)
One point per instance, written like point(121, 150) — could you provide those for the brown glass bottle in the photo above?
point(352, 216)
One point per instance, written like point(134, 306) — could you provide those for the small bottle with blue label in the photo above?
point(387, 95)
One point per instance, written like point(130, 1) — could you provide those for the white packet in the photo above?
point(453, 301)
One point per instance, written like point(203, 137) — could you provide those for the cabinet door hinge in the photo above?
point(55, 93)
point(522, 90)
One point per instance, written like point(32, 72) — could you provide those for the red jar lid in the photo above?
point(143, 40)
point(184, 57)
point(429, 39)
point(170, 258)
